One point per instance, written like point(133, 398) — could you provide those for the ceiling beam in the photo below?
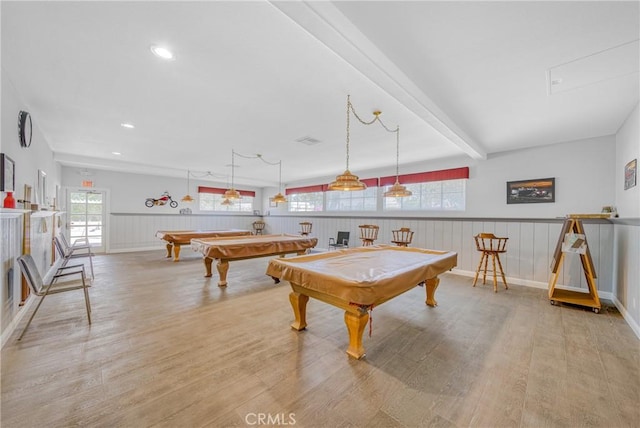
point(329, 26)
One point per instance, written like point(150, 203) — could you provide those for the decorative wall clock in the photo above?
point(25, 128)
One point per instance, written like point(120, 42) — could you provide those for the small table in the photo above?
point(176, 238)
point(248, 247)
point(358, 279)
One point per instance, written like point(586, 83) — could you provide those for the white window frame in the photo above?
point(352, 201)
point(430, 196)
point(306, 202)
point(244, 204)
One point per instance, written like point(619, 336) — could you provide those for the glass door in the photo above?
point(86, 210)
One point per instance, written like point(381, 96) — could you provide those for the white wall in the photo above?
point(129, 191)
point(628, 149)
point(582, 169)
point(627, 229)
point(28, 160)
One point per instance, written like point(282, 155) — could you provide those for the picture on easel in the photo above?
point(573, 240)
point(574, 243)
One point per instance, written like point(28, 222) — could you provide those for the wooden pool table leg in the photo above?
point(223, 268)
point(207, 266)
point(176, 253)
point(299, 305)
point(355, 325)
point(169, 249)
point(431, 285)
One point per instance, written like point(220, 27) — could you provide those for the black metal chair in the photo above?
point(341, 241)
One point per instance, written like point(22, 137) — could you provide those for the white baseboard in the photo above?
point(6, 334)
point(133, 250)
point(537, 284)
point(625, 314)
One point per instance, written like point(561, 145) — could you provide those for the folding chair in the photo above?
point(43, 288)
point(78, 244)
point(69, 252)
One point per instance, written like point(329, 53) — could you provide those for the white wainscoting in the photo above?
point(11, 248)
point(40, 236)
point(42, 232)
point(137, 232)
point(627, 271)
point(529, 249)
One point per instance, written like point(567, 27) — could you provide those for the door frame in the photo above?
point(106, 209)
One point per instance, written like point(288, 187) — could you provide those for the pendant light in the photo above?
point(279, 198)
point(232, 193)
point(397, 190)
point(347, 181)
point(187, 198)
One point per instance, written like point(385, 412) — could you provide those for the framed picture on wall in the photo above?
point(7, 174)
point(41, 189)
point(630, 173)
point(533, 191)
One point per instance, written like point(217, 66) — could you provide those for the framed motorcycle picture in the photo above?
point(532, 191)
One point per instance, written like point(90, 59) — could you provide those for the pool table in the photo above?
point(176, 238)
point(357, 279)
point(248, 247)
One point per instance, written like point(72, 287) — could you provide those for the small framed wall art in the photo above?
point(630, 174)
point(7, 174)
point(531, 191)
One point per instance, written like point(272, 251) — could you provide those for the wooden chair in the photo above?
point(258, 227)
point(305, 228)
point(368, 234)
point(490, 246)
point(402, 237)
point(341, 241)
point(43, 287)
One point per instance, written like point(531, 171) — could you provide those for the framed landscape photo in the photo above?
point(7, 174)
point(533, 191)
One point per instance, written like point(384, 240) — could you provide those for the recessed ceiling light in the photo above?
point(162, 52)
point(116, 153)
point(127, 125)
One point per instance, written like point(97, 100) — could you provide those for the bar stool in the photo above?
point(258, 227)
point(368, 234)
point(490, 246)
point(305, 228)
point(402, 237)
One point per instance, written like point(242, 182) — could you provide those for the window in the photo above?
point(361, 200)
point(442, 190)
point(211, 199)
point(447, 195)
point(305, 202)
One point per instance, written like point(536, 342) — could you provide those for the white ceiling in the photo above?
point(459, 78)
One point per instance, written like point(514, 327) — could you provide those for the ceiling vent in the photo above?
point(608, 64)
point(309, 141)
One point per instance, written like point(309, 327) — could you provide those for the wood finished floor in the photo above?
point(168, 348)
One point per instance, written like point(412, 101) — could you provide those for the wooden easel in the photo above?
point(590, 299)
